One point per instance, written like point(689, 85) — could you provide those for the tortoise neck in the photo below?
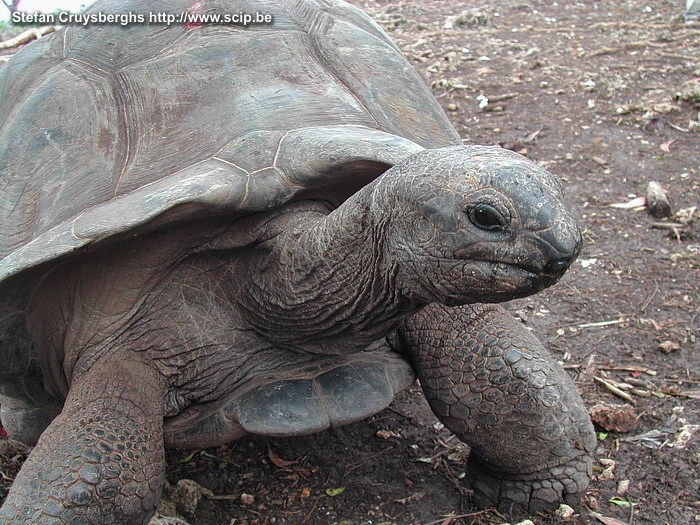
point(326, 284)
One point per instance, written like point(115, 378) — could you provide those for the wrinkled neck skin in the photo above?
point(323, 283)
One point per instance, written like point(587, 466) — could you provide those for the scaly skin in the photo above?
point(492, 383)
point(210, 308)
point(102, 459)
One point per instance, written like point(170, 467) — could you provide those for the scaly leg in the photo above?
point(492, 383)
point(102, 459)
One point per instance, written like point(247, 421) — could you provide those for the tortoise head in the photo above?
point(477, 224)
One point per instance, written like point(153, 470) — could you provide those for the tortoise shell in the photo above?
point(107, 133)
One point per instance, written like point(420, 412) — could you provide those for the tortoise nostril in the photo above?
point(561, 246)
point(559, 265)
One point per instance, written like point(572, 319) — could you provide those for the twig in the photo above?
point(405, 416)
point(677, 128)
point(529, 139)
point(223, 497)
point(603, 25)
point(618, 392)
point(625, 47)
point(311, 512)
point(676, 227)
point(5, 476)
point(677, 55)
point(651, 297)
point(529, 29)
point(358, 464)
point(500, 98)
point(434, 457)
point(27, 36)
point(623, 368)
point(455, 517)
point(668, 225)
point(600, 323)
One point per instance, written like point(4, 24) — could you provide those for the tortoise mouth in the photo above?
point(552, 270)
point(527, 278)
point(495, 282)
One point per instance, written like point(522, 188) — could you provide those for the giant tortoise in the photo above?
point(213, 230)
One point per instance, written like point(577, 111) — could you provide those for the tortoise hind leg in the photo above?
point(101, 460)
point(493, 384)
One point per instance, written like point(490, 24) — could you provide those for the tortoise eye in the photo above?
point(486, 217)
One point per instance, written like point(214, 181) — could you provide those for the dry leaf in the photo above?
point(607, 520)
point(637, 202)
point(386, 434)
point(278, 461)
point(666, 146)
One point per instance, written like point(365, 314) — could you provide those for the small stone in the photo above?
point(468, 18)
point(614, 418)
point(592, 502)
point(669, 346)
point(452, 107)
point(167, 520)
point(564, 511)
point(686, 215)
point(657, 200)
point(247, 499)
point(608, 469)
point(187, 494)
point(622, 487)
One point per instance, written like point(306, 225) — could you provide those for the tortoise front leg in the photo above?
point(102, 459)
point(492, 383)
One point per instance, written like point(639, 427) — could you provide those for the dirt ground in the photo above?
point(607, 95)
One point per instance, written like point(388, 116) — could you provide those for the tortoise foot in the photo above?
point(101, 461)
point(520, 494)
point(22, 422)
